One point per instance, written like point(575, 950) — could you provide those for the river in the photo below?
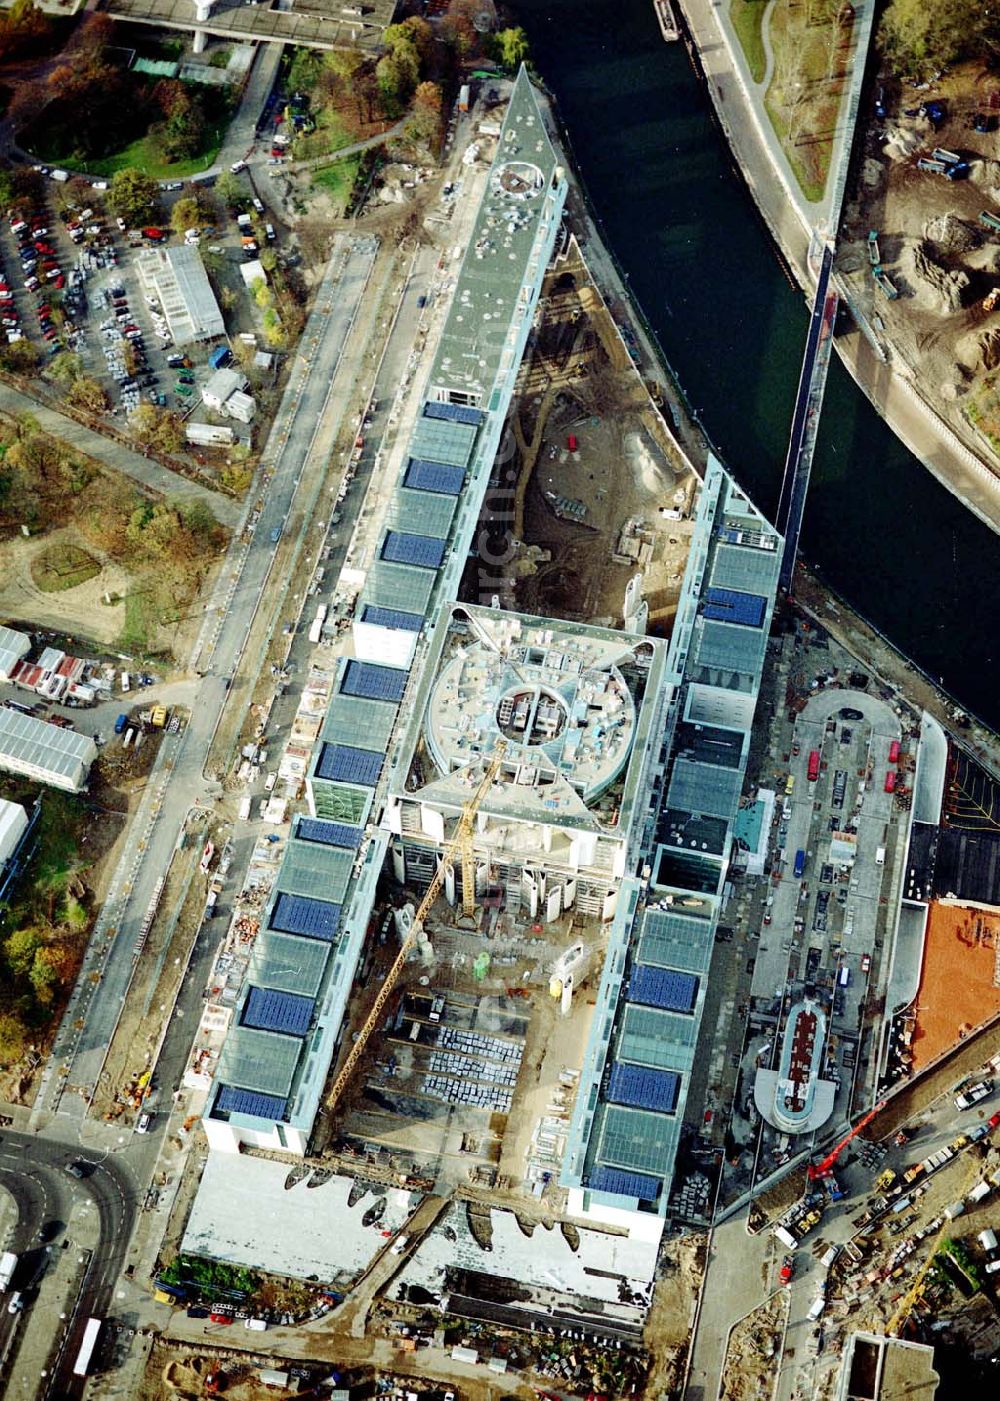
point(878, 527)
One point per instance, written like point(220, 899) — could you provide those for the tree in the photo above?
point(156, 428)
point(186, 214)
point(134, 196)
point(20, 948)
point(511, 47)
point(231, 190)
point(65, 368)
point(919, 38)
point(87, 394)
point(459, 26)
point(425, 120)
point(396, 75)
point(414, 33)
point(304, 70)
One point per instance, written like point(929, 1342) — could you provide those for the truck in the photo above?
point(800, 863)
point(785, 1237)
point(813, 770)
point(463, 98)
point(120, 723)
point(158, 719)
point(220, 357)
point(8, 1264)
point(316, 627)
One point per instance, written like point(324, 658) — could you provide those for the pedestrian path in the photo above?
point(115, 455)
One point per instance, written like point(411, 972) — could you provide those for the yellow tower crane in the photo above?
point(460, 844)
point(915, 1290)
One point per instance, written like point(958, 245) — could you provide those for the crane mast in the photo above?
point(461, 845)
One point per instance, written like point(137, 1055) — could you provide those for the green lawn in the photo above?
point(141, 154)
point(63, 567)
point(747, 17)
point(139, 623)
point(338, 179)
point(329, 136)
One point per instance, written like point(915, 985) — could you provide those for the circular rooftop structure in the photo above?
point(519, 180)
point(559, 701)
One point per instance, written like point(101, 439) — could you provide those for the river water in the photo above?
point(878, 527)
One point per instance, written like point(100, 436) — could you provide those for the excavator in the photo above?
point(460, 845)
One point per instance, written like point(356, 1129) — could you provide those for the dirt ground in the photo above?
point(957, 990)
point(754, 1343)
point(668, 1328)
point(157, 978)
point(80, 610)
point(601, 493)
point(941, 260)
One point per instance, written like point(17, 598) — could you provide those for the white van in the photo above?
point(245, 805)
point(816, 1308)
point(126, 682)
point(828, 1256)
point(255, 1325)
point(400, 1244)
point(988, 1240)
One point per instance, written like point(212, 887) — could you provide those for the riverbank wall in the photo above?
point(895, 398)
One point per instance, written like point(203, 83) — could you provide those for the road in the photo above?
point(33, 1170)
point(177, 781)
point(142, 470)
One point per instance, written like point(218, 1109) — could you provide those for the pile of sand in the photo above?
point(985, 174)
point(951, 234)
point(979, 350)
point(934, 287)
point(901, 143)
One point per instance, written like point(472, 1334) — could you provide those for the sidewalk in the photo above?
point(738, 103)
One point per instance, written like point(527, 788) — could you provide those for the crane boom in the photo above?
point(817, 1170)
point(459, 843)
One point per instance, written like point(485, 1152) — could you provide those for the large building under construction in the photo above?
point(619, 761)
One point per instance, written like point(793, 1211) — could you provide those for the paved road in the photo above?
point(177, 781)
point(142, 470)
point(33, 1171)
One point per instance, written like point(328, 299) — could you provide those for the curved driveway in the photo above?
point(33, 1170)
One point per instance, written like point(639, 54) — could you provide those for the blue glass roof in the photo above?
point(315, 829)
point(422, 550)
point(624, 1184)
point(454, 413)
point(731, 606)
point(373, 681)
point(269, 1010)
point(297, 914)
point(391, 618)
point(434, 476)
point(641, 1088)
point(342, 763)
point(231, 1100)
point(661, 987)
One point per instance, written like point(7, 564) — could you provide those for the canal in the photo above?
point(879, 528)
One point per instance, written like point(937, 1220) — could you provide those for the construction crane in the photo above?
point(460, 843)
point(816, 1171)
point(911, 1296)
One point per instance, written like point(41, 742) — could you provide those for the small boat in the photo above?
point(669, 27)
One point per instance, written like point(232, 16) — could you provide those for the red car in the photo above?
point(223, 1318)
point(994, 1122)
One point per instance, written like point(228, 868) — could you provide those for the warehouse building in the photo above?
point(178, 278)
point(14, 646)
point(47, 753)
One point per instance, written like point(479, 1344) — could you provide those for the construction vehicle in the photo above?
point(823, 1170)
point(916, 1289)
point(460, 845)
point(885, 1180)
